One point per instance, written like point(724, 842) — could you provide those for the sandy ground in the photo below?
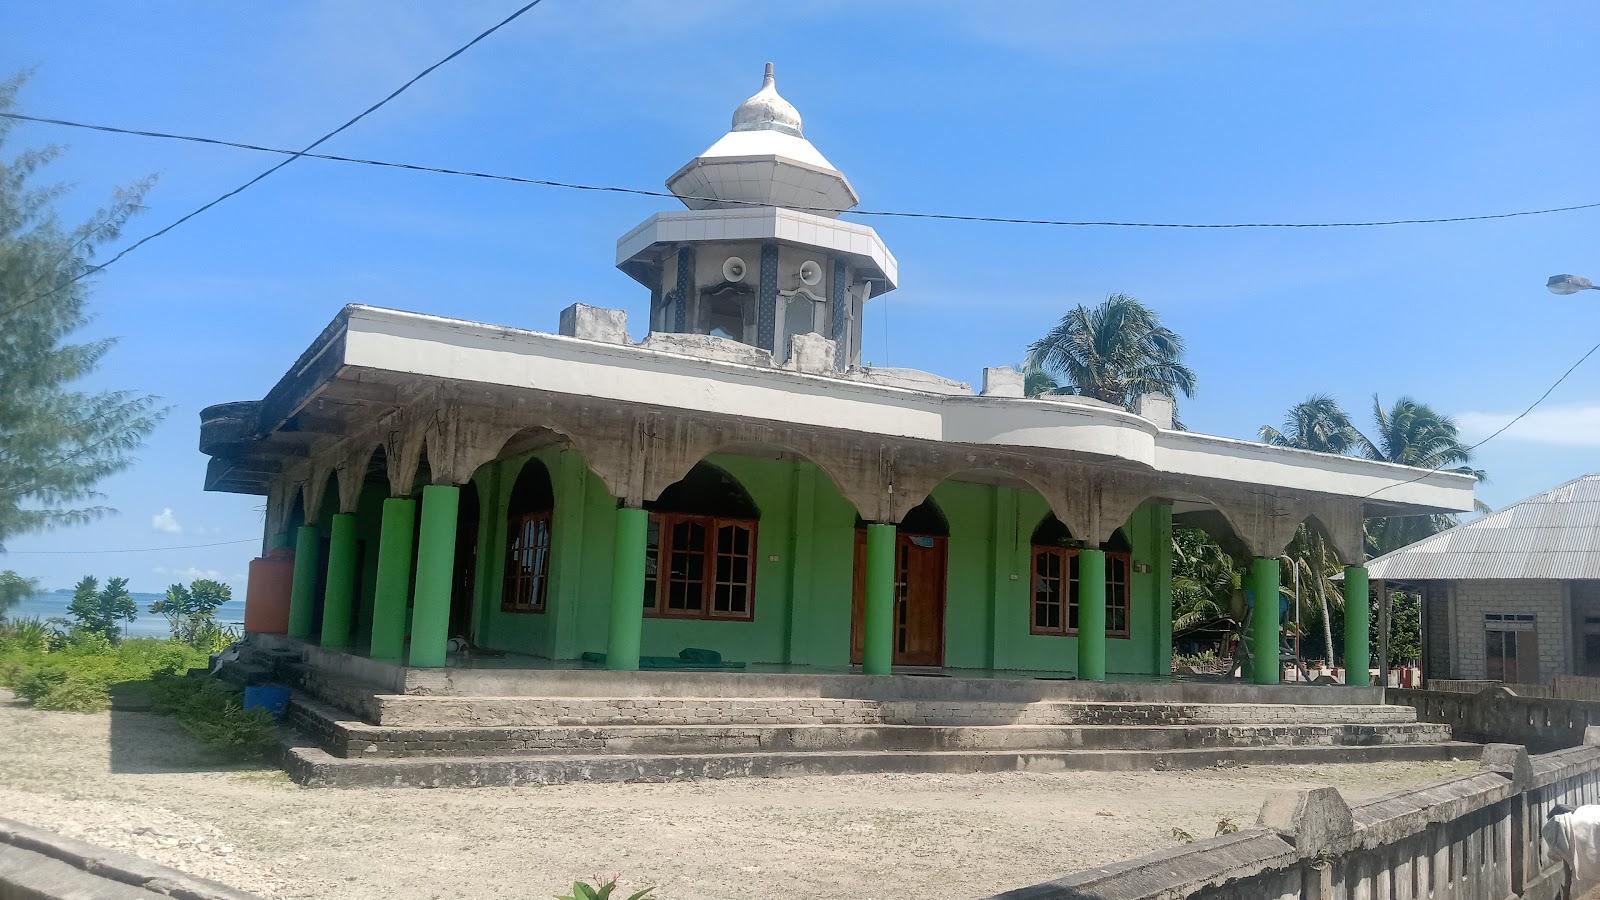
point(134, 782)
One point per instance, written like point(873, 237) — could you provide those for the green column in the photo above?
point(303, 592)
point(627, 589)
point(393, 591)
point(1265, 583)
point(436, 559)
point(338, 600)
point(1091, 615)
point(877, 629)
point(1357, 650)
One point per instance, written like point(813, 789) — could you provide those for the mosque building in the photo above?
point(739, 482)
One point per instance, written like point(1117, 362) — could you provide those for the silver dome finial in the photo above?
point(767, 111)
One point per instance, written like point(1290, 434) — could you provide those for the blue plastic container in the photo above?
point(270, 697)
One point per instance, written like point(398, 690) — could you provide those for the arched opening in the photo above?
point(921, 552)
point(528, 536)
point(369, 518)
point(700, 547)
point(1056, 581)
point(463, 579)
point(296, 516)
point(327, 509)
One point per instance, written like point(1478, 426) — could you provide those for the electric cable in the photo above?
point(292, 156)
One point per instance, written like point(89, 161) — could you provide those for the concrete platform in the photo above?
point(357, 723)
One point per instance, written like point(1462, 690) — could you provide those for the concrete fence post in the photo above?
point(1317, 821)
point(1513, 762)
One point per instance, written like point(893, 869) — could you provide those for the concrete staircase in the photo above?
point(347, 733)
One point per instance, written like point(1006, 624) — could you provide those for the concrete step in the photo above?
point(346, 737)
point(313, 766)
point(408, 710)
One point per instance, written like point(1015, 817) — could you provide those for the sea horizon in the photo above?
point(53, 604)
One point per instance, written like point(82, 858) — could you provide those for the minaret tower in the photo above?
point(760, 255)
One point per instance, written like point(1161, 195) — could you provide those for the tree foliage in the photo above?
point(14, 589)
point(1205, 579)
point(57, 441)
point(102, 610)
point(1408, 433)
point(191, 611)
point(1114, 352)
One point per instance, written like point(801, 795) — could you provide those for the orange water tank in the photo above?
point(266, 595)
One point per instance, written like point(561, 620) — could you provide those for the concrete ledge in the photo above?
point(315, 767)
point(1176, 872)
point(39, 863)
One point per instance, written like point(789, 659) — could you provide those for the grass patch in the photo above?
point(77, 676)
point(74, 672)
point(215, 715)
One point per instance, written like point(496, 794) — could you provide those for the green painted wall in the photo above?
point(1133, 654)
point(804, 580)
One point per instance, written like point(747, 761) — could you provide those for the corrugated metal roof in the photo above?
point(1555, 534)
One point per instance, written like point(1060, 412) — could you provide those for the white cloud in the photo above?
point(189, 573)
point(166, 521)
point(1567, 426)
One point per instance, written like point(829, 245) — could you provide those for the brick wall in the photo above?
point(1544, 599)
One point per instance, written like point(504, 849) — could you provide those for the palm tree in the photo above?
point(1412, 434)
point(1204, 578)
point(1115, 353)
point(1315, 423)
point(1409, 433)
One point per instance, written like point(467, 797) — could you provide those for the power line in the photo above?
point(292, 156)
point(830, 210)
point(1503, 428)
point(128, 549)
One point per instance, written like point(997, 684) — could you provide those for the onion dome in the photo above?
point(766, 110)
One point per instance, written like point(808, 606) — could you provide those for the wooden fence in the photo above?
point(1470, 837)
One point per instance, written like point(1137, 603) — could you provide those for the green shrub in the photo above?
point(214, 714)
point(209, 637)
point(26, 635)
point(78, 675)
point(582, 890)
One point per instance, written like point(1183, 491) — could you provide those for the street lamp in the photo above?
point(1569, 284)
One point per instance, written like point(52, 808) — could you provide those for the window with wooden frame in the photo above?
point(1054, 605)
point(700, 547)
point(528, 541)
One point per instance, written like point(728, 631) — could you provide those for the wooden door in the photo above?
point(919, 599)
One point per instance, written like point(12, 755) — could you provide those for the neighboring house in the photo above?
point(1513, 596)
point(739, 481)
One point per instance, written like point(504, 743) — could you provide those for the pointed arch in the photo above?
point(700, 547)
point(530, 512)
point(1055, 582)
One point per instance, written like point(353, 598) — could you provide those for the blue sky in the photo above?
point(1176, 112)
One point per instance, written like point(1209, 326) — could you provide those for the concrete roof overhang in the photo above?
point(642, 248)
point(371, 360)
